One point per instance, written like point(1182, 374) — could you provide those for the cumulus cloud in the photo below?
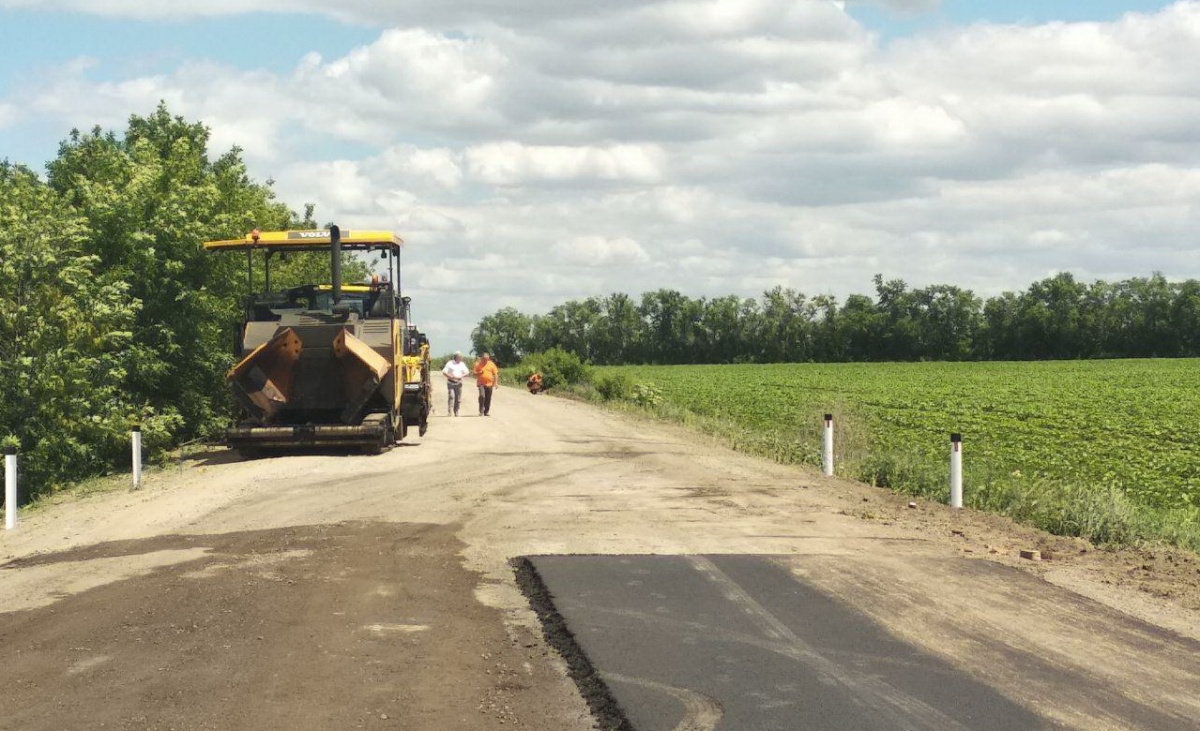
point(510, 163)
point(531, 153)
point(440, 166)
point(407, 76)
point(702, 14)
point(341, 185)
point(597, 251)
point(904, 6)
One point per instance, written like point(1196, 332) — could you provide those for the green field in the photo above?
point(1104, 449)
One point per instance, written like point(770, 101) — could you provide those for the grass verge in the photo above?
point(1102, 514)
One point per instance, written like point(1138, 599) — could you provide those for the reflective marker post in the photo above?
point(956, 490)
point(827, 459)
point(137, 457)
point(10, 488)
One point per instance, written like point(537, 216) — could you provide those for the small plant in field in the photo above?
point(645, 395)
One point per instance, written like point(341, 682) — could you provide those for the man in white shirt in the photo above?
point(454, 371)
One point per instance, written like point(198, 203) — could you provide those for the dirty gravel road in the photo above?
point(342, 591)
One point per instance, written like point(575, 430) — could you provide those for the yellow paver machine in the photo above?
point(327, 364)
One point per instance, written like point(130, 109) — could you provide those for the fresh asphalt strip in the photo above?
point(667, 643)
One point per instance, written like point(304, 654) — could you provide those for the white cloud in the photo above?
point(408, 76)
point(907, 6)
point(597, 251)
point(510, 163)
point(430, 220)
point(532, 152)
point(441, 166)
point(339, 185)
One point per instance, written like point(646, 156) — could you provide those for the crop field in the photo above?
point(1117, 435)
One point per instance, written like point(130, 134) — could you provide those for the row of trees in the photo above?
point(111, 314)
point(1056, 318)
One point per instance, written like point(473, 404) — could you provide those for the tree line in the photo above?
point(1055, 318)
point(111, 314)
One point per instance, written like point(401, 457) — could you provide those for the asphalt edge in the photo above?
point(607, 712)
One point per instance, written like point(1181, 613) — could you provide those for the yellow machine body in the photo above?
point(327, 364)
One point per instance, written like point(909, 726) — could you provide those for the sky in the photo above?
point(532, 152)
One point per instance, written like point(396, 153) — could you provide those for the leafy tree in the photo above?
point(670, 326)
point(1057, 317)
point(1151, 332)
point(723, 331)
point(1049, 319)
point(148, 199)
point(65, 337)
point(1185, 318)
point(897, 328)
point(827, 345)
point(858, 326)
point(947, 320)
point(111, 314)
point(1100, 320)
point(571, 326)
point(997, 339)
point(618, 331)
point(505, 334)
point(784, 326)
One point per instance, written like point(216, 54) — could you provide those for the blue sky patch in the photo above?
point(891, 24)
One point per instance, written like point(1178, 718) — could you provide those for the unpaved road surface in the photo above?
point(342, 592)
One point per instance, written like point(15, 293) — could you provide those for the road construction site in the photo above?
point(668, 583)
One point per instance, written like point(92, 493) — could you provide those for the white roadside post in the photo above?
point(10, 488)
point(827, 455)
point(137, 457)
point(956, 495)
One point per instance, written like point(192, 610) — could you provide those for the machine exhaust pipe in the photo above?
point(335, 252)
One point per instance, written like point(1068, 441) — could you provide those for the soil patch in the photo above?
point(344, 626)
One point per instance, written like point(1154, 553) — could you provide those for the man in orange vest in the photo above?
point(487, 378)
point(534, 384)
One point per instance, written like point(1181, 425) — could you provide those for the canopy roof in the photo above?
point(308, 241)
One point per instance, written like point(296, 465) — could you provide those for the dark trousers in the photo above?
point(485, 399)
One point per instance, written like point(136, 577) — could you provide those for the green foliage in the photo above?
point(111, 314)
point(65, 339)
point(1056, 318)
point(645, 395)
point(613, 386)
point(505, 335)
point(1099, 449)
point(149, 198)
point(558, 368)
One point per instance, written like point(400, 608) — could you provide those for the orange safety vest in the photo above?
point(487, 374)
